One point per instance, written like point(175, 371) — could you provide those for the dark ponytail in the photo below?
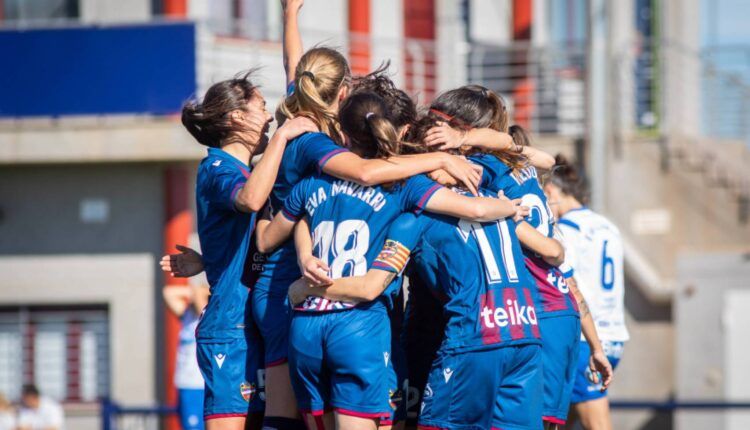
point(364, 120)
point(207, 121)
point(566, 177)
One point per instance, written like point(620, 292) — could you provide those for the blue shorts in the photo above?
point(584, 390)
point(234, 375)
point(487, 389)
point(190, 408)
point(560, 339)
point(272, 315)
point(342, 360)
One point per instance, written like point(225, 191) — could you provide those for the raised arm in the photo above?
point(550, 249)
point(370, 172)
point(254, 194)
point(292, 38)
point(446, 202)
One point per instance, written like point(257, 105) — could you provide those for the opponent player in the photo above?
point(594, 251)
point(232, 121)
point(347, 219)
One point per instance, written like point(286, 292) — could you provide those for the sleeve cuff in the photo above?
point(290, 216)
point(426, 198)
point(328, 157)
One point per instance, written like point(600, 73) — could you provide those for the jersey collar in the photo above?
point(219, 153)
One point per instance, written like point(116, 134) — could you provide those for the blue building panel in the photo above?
point(139, 69)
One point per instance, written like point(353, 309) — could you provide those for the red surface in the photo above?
point(420, 65)
point(359, 27)
point(175, 8)
point(177, 228)
point(523, 91)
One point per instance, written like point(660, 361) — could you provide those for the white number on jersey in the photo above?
point(466, 228)
point(538, 210)
point(332, 241)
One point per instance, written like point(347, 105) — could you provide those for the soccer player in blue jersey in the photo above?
point(488, 370)
point(347, 219)
point(232, 120)
point(468, 107)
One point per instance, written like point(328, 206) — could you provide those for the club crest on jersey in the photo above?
point(248, 391)
point(427, 391)
point(395, 398)
point(447, 373)
point(219, 358)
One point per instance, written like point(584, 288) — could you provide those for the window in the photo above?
point(31, 10)
point(63, 350)
point(252, 19)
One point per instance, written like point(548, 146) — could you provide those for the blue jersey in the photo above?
point(224, 234)
point(478, 271)
point(556, 298)
point(349, 222)
point(303, 156)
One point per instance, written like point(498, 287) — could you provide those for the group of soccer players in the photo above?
point(309, 325)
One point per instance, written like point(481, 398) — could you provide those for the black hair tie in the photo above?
point(309, 74)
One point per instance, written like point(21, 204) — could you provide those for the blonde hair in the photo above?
point(320, 74)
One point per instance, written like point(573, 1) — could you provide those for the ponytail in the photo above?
point(207, 121)
point(384, 134)
point(320, 74)
point(364, 118)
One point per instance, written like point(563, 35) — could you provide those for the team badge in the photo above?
point(427, 391)
point(396, 397)
point(248, 391)
point(393, 255)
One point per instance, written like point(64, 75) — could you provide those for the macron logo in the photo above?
point(220, 359)
point(385, 357)
point(216, 163)
point(447, 373)
point(512, 314)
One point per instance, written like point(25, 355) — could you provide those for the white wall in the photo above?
point(112, 11)
point(490, 21)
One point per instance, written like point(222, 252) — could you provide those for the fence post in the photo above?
point(107, 410)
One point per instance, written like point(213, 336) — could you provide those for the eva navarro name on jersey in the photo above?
point(369, 195)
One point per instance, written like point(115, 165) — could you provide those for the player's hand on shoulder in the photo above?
point(188, 262)
point(521, 211)
point(297, 126)
point(443, 178)
point(464, 171)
